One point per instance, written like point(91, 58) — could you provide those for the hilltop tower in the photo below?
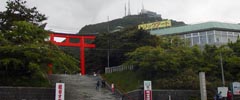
point(142, 5)
point(125, 9)
point(148, 13)
point(129, 10)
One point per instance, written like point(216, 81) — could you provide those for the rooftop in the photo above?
point(196, 27)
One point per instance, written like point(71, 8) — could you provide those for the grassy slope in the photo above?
point(125, 81)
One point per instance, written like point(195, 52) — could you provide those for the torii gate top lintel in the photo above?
point(73, 35)
point(81, 44)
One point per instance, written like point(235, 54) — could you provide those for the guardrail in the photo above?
point(118, 68)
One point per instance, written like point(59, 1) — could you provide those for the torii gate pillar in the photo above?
point(82, 45)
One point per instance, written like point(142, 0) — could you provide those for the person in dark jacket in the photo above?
point(97, 85)
point(103, 83)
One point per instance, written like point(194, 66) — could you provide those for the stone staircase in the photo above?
point(82, 87)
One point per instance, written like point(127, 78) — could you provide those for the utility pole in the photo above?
point(223, 79)
point(108, 24)
point(203, 89)
point(108, 53)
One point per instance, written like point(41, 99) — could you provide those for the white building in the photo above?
point(215, 33)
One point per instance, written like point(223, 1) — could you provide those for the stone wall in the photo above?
point(26, 93)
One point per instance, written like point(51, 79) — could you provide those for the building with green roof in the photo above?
point(216, 33)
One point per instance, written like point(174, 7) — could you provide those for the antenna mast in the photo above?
point(129, 11)
point(125, 9)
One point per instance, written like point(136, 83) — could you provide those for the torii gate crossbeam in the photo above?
point(81, 44)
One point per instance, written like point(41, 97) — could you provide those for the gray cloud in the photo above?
point(71, 15)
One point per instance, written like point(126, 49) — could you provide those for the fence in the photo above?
point(118, 68)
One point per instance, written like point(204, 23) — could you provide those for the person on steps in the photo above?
point(103, 83)
point(97, 85)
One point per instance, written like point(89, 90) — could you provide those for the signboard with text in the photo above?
point(236, 88)
point(223, 91)
point(147, 90)
point(155, 25)
point(59, 94)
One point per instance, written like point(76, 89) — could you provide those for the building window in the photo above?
point(210, 37)
point(224, 37)
point(195, 38)
point(218, 35)
point(230, 36)
point(203, 38)
point(234, 36)
point(188, 39)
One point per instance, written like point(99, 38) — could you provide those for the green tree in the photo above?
point(16, 10)
point(25, 54)
point(25, 63)
point(148, 60)
point(3, 41)
point(24, 32)
point(118, 44)
point(232, 62)
point(170, 62)
point(174, 65)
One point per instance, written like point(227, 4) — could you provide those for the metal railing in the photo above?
point(118, 68)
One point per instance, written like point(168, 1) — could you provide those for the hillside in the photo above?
point(128, 21)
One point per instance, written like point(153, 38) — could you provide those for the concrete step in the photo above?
point(82, 87)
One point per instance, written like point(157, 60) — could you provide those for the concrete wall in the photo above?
point(164, 95)
point(26, 93)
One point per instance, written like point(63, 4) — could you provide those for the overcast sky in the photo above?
point(72, 15)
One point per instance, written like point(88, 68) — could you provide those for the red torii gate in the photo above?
point(81, 44)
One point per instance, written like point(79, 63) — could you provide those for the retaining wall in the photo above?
point(26, 93)
point(165, 95)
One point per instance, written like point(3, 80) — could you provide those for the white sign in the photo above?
point(236, 88)
point(59, 95)
point(223, 91)
point(147, 90)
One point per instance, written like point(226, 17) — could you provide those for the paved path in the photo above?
point(82, 88)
